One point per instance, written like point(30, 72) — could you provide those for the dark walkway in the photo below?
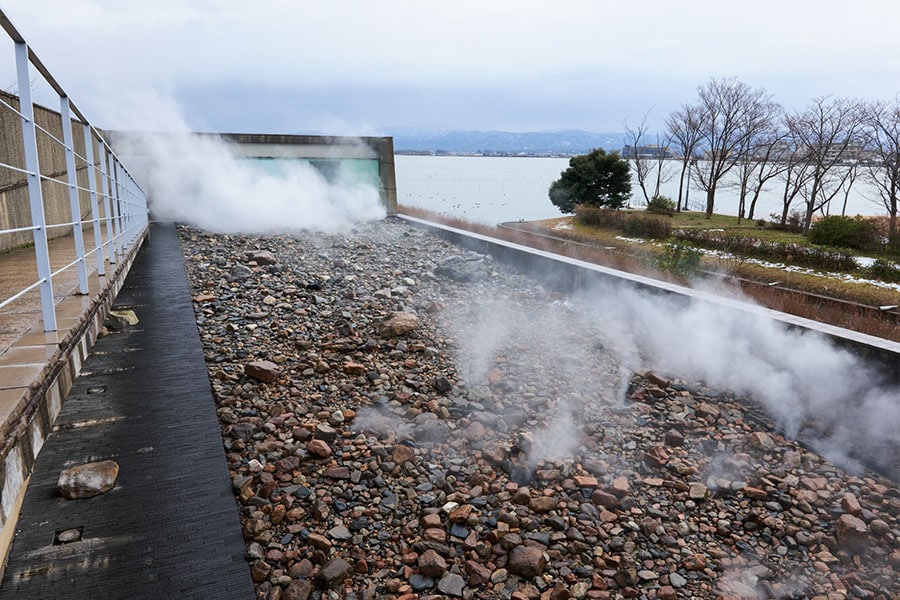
point(170, 527)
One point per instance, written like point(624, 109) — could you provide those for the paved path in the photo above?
point(170, 527)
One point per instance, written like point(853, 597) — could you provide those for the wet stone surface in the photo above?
point(431, 424)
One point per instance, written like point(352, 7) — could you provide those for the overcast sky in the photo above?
point(366, 66)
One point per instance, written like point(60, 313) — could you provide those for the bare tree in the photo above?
point(640, 163)
point(763, 160)
point(795, 173)
point(684, 130)
point(730, 113)
point(647, 165)
point(662, 174)
point(828, 132)
point(853, 172)
point(882, 123)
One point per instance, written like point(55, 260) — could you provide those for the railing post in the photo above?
point(35, 195)
point(117, 202)
point(95, 208)
point(69, 143)
point(107, 201)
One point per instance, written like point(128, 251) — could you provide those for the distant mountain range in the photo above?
point(567, 142)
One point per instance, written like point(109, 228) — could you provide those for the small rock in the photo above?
point(851, 532)
point(677, 581)
point(262, 370)
point(674, 438)
point(879, 527)
point(850, 504)
point(118, 320)
point(319, 448)
point(452, 585)
point(620, 486)
point(698, 492)
point(403, 454)
point(88, 480)
point(762, 441)
point(240, 272)
point(297, 589)
point(526, 561)
point(334, 572)
point(399, 323)
point(543, 504)
point(432, 564)
point(261, 257)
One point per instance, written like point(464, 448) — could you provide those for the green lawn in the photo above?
point(746, 228)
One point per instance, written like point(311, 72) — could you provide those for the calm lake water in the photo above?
point(496, 189)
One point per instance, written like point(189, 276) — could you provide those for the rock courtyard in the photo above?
point(406, 419)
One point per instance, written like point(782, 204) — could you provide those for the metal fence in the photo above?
point(59, 178)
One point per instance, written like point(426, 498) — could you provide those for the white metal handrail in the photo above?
point(114, 197)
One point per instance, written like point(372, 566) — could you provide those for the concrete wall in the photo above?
point(15, 210)
point(263, 145)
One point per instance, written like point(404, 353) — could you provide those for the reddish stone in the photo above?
point(850, 504)
point(460, 513)
point(298, 589)
point(403, 454)
point(341, 473)
point(754, 493)
point(476, 569)
point(620, 486)
point(354, 368)
point(399, 323)
point(494, 453)
point(604, 499)
point(334, 572)
point(695, 562)
point(435, 535)
point(319, 448)
point(543, 504)
point(431, 520)
point(527, 561)
point(666, 592)
point(262, 370)
point(432, 564)
point(674, 438)
point(585, 481)
point(656, 457)
point(851, 532)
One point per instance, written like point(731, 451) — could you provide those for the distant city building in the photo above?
point(651, 151)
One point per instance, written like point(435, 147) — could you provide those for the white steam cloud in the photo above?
point(197, 180)
point(800, 378)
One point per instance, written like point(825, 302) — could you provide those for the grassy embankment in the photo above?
point(837, 298)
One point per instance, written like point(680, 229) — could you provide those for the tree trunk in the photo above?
point(710, 200)
point(684, 167)
point(753, 203)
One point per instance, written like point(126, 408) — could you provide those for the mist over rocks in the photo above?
point(554, 460)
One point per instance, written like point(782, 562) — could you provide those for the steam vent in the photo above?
point(403, 418)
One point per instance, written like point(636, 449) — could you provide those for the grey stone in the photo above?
point(452, 585)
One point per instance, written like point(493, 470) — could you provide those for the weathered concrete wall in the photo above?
point(266, 145)
point(15, 210)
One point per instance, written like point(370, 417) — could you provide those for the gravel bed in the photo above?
point(405, 419)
